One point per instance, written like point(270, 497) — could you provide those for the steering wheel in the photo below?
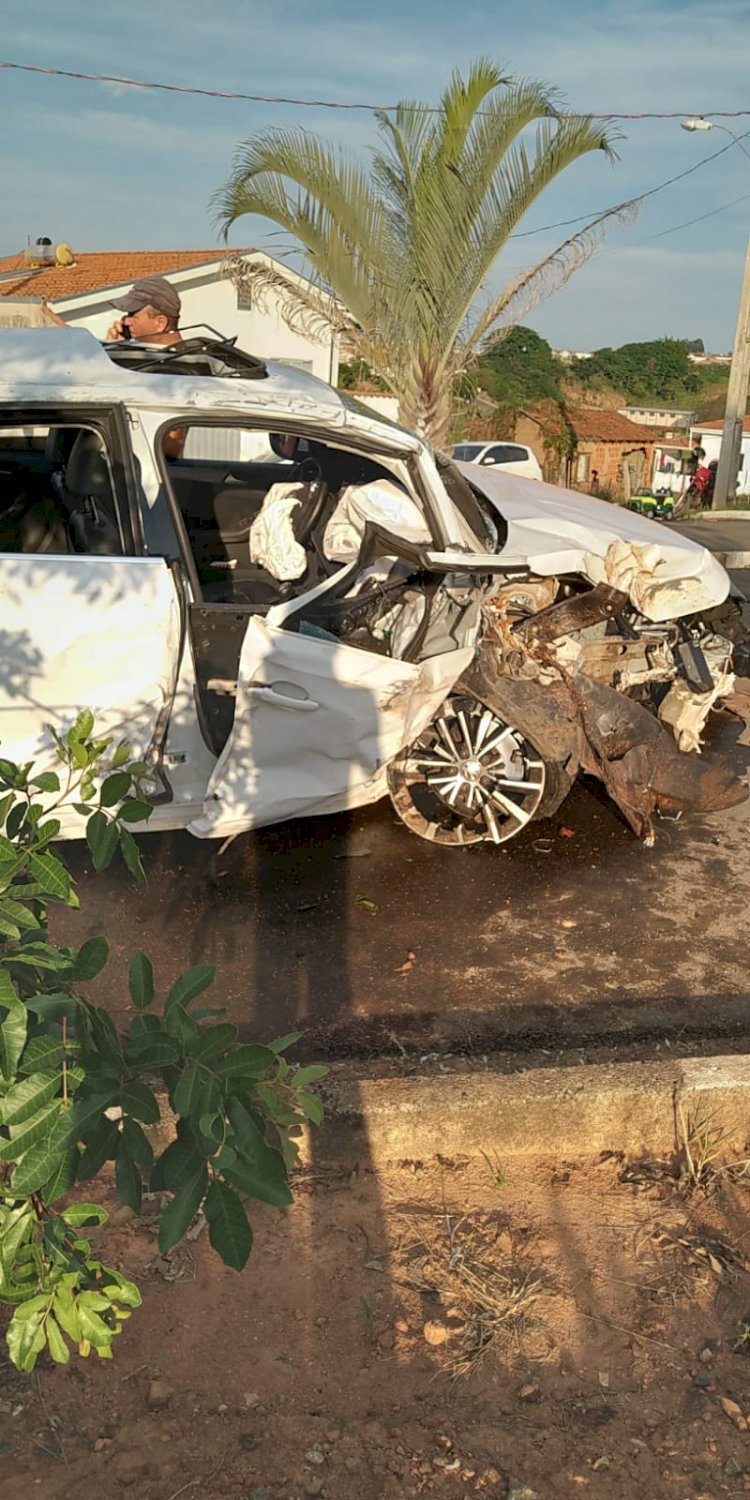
point(309, 472)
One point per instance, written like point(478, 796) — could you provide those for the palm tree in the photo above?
point(399, 257)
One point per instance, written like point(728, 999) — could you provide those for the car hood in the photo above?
point(558, 531)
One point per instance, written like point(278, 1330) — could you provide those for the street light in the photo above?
point(739, 373)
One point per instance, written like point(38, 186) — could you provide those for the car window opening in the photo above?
point(59, 492)
point(268, 516)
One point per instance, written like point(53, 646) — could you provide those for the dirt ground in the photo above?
point(453, 1329)
point(311, 925)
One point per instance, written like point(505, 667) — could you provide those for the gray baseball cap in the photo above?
point(151, 291)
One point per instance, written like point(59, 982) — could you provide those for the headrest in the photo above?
point(87, 471)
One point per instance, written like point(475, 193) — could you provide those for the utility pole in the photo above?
point(725, 487)
point(734, 412)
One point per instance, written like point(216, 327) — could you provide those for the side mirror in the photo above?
point(488, 459)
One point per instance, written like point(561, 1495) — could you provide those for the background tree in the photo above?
point(656, 371)
point(399, 257)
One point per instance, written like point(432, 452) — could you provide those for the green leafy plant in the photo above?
point(76, 1093)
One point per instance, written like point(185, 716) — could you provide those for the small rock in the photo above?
point(732, 1468)
point(251, 1398)
point(222, 1408)
point(530, 1392)
point(706, 1355)
point(315, 1455)
point(401, 1325)
point(517, 1490)
point(159, 1393)
point(121, 1215)
point(702, 1380)
point(130, 1468)
point(249, 1441)
point(435, 1333)
point(600, 1465)
point(333, 1434)
point(313, 1486)
point(351, 1465)
point(734, 1412)
point(101, 1444)
point(504, 1243)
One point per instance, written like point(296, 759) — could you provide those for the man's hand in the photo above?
point(116, 333)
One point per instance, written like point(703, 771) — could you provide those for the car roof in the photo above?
point(47, 365)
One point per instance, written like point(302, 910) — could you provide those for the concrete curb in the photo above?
point(628, 1107)
point(722, 515)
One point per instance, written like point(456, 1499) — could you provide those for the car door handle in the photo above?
point(281, 700)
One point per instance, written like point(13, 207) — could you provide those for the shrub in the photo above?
point(75, 1093)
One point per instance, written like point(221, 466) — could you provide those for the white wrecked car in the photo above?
point(297, 624)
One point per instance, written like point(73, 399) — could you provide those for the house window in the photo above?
point(244, 299)
point(582, 468)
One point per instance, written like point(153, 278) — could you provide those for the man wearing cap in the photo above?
point(152, 313)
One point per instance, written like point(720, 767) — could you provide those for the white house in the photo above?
point(708, 436)
point(81, 288)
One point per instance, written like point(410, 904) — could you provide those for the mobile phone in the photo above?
point(126, 332)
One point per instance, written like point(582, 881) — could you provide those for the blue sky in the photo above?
point(105, 167)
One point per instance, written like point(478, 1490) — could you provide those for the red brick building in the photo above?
point(587, 448)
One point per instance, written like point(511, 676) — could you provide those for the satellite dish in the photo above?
point(64, 256)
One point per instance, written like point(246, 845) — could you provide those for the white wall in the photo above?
point(385, 406)
point(21, 312)
point(711, 442)
point(212, 300)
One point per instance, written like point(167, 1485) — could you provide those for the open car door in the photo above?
point(86, 632)
point(318, 720)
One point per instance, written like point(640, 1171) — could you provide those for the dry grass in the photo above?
point(487, 1300)
point(699, 1166)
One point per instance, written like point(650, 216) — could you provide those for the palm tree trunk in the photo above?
point(427, 407)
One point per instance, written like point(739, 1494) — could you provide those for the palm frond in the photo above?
point(408, 247)
point(305, 308)
point(542, 280)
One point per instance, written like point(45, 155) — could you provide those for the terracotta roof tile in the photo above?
point(717, 426)
point(95, 271)
point(602, 426)
point(596, 424)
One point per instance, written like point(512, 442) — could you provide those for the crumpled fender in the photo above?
point(577, 723)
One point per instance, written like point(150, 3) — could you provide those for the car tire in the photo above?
point(471, 778)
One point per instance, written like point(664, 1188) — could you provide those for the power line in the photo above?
point(178, 88)
point(712, 212)
point(524, 234)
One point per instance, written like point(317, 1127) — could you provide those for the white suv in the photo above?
point(290, 606)
point(514, 458)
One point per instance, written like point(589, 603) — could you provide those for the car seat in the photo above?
point(92, 524)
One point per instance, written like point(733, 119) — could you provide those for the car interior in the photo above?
point(57, 492)
point(231, 511)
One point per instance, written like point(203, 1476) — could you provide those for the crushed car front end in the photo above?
point(611, 654)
